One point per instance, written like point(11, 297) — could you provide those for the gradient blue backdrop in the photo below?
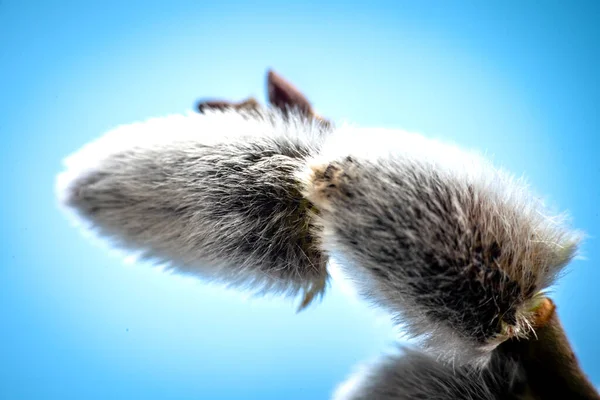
point(517, 79)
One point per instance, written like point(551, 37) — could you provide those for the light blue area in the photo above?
point(520, 80)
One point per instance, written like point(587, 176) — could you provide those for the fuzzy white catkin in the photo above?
point(410, 375)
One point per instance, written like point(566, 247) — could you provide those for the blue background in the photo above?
point(520, 80)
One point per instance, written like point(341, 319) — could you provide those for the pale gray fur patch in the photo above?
point(212, 195)
point(417, 376)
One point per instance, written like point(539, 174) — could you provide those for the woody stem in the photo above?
point(552, 369)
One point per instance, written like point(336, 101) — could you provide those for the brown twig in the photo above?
point(248, 104)
point(551, 367)
point(281, 94)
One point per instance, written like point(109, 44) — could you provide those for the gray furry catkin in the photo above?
point(455, 248)
point(212, 195)
point(414, 375)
